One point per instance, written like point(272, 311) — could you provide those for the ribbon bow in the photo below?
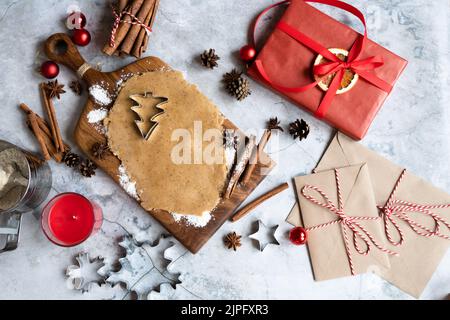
point(347, 222)
point(363, 67)
point(400, 209)
point(118, 19)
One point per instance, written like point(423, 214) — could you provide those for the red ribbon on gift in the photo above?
point(363, 67)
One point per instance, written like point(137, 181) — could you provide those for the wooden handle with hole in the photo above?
point(60, 48)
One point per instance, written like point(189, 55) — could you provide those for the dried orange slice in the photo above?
point(349, 80)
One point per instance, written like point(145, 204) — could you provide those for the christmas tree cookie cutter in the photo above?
point(145, 101)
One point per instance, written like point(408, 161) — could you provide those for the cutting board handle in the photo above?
point(60, 48)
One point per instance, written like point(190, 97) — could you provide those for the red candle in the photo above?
point(70, 219)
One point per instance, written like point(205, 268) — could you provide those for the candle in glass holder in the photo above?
point(70, 219)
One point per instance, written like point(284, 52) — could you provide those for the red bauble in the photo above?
point(76, 20)
point(49, 69)
point(247, 53)
point(298, 236)
point(81, 37)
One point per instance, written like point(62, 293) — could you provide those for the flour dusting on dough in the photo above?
point(127, 184)
point(193, 221)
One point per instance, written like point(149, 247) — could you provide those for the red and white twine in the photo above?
point(118, 20)
point(346, 222)
point(400, 209)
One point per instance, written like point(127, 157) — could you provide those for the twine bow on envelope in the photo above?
point(400, 209)
point(363, 67)
point(360, 233)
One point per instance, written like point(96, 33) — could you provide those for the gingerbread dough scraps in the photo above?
point(193, 188)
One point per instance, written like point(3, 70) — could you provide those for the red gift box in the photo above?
point(286, 64)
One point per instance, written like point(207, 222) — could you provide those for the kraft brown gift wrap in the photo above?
point(326, 245)
point(289, 63)
point(418, 256)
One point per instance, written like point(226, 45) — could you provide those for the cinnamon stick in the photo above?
point(55, 154)
point(141, 40)
point(240, 167)
point(133, 33)
point(255, 157)
point(123, 28)
point(38, 134)
point(251, 206)
point(122, 5)
point(33, 158)
point(54, 127)
point(144, 44)
point(44, 134)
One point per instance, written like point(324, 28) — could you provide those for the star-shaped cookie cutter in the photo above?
point(265, 235)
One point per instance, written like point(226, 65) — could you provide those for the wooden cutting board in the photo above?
point(60, 49)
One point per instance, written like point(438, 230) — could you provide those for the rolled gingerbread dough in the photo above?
point(162, 184)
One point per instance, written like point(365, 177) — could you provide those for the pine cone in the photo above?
point(71, 160)
point(299, 129)
point(87, 168)
point(209, 58)
point(99, 150)
point(237, 85)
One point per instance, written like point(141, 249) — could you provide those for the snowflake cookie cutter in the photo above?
point(265, 236)
point(82, 276)
point(140, 100)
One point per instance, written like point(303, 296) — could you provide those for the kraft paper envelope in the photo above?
point(326, 245)
point(419, 256)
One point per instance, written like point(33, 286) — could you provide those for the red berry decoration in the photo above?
point(298, 236)
point(81, 37)
point(49, 69)
point(247, 53)
point(76, 20)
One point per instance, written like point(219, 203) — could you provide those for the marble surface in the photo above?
point(412, 129)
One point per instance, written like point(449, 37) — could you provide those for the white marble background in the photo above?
point(412, 129)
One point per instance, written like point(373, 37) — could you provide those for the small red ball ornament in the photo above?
point(298, 236)
point(247, 53)
point(76, 20)
point(81, 37)
point(49, 69)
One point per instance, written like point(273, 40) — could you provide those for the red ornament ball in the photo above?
point(76, 20)
point(247, 53)
point(298, 236)
point(81, 37)
point(49, 69)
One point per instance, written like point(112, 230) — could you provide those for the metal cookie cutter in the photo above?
point(154, 103)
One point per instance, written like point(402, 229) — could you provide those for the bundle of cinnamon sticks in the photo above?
point(48, 133)
point(131, 36)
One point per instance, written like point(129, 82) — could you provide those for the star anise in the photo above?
point(274, 124)
point(233, 241)
point(54, 89)
point(76, 87)
point(230, 139)
point(99, 150)
point(299, 129)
